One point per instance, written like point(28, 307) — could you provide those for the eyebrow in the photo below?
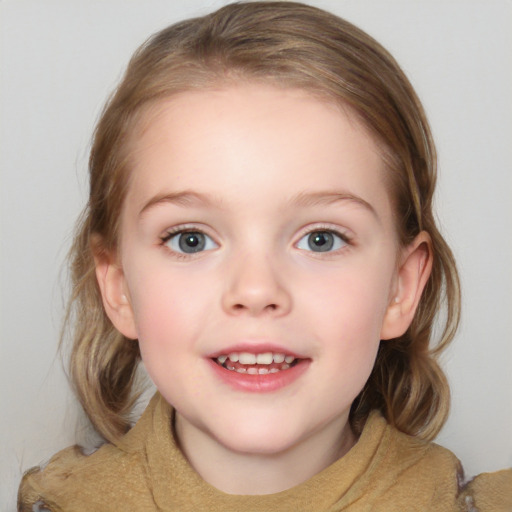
point(303, 199)
point(184, 198)
point(328, 197)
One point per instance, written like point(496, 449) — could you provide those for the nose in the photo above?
point(254, 287)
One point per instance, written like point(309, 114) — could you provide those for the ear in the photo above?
point(114, 292)
point(412, 276)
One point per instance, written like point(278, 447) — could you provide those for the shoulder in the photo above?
point(424, 472)
point(425, 476)
point(113, 474)
point(71, 477)
point(402, 472)
point(402, 453)
point(489, 491)
point(423, 456)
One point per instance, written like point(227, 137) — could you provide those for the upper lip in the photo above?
point(256, 348)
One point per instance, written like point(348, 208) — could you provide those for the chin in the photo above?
point(258, 438)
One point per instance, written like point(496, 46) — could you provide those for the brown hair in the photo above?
point(291, 45)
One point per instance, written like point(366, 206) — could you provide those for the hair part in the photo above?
point(289, 45)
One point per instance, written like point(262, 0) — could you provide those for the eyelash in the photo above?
point(343, 236)
point(180, 230)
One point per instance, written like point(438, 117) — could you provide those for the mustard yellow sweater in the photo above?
point(145, 471)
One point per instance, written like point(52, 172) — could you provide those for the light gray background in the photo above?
point(59, 60)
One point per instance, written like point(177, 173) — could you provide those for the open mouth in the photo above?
point(256, 364)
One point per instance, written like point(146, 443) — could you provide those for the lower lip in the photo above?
point(260, 383)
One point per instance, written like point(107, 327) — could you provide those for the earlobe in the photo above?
point(114, 294)
point(412, 276)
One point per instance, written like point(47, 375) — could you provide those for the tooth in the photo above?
point(246, 358)
point(273, 370)
point(289, 359)
point(285, 367)
point(230, 367)
point(265, 358)
point(262, 371)
point(241, 370)
point(252, 371)
point(278, 358)
point(233, 357)
point(222, 359)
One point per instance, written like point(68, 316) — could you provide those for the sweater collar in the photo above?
point(341, 483)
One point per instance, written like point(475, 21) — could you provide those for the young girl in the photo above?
point(260, 234)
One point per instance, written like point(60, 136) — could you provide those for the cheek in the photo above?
point(355, 298)
point(169, 307)
point(169, 313)
point(346, 313)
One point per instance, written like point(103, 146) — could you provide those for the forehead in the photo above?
point(255, 137)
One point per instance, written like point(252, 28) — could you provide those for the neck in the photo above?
point(258, 474)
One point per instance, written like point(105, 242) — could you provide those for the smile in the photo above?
point(258, 372)
point(256, 364)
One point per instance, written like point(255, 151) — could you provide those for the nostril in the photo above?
point(268, 307)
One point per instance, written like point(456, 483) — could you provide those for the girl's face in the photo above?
point(258, 264)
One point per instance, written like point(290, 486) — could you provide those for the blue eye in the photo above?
point(321, 241)
point(190, 242)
